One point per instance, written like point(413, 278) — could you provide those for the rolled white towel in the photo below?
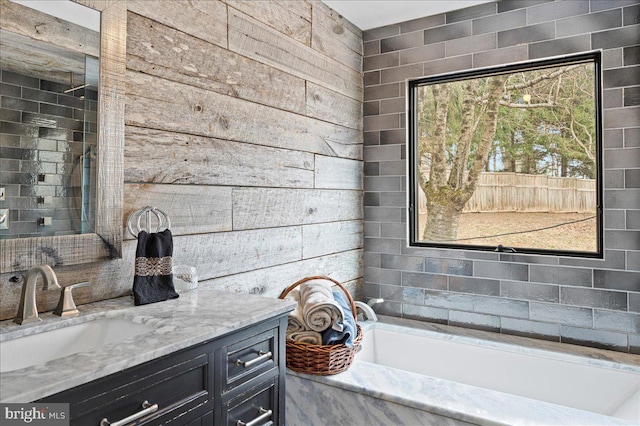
point(319, 308)
point(295, 320)
point(306, 336)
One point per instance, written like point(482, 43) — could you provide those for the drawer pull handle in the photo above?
point(264, 415)
point(262, 357)
point(147, 409)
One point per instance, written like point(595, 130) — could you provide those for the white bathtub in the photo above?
point(598, 386)
point(438, 375)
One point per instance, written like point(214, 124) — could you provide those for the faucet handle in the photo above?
point(66, 306)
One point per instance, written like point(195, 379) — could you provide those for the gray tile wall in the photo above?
point(43, 133)
point(580, 301)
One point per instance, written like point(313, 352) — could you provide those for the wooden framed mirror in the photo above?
point(104, 239)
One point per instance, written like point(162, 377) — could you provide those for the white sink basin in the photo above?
point(40, 348)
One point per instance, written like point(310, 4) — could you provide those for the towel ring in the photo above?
point(136, 216)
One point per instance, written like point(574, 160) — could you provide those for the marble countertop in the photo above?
point(176, 324)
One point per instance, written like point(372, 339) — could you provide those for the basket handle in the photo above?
point(323, 277)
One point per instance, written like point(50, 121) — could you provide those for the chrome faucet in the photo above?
point(28, 312)
point(366, 310)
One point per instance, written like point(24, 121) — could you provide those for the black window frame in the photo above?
point(594, 57)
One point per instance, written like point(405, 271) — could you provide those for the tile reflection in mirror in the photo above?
point(48, 126)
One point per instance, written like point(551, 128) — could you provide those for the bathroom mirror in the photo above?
point(508, 159)
point(83, 130)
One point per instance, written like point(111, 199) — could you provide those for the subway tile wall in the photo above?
point(43, 135)
point(581, 301)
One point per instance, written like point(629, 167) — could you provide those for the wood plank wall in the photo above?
point(244, 123)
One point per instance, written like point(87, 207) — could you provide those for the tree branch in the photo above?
point(437, 144)
point(496, 89)
point(537, 80)
point(573, 121)
point(466, 134)
point(538, 105)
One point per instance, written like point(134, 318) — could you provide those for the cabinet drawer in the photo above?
point(179, 384)
point(249, 358)
point(205, 420)
point(258, 406)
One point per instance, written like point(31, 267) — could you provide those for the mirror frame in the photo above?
point(106, 243)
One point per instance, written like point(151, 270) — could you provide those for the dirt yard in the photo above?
point(561, 235)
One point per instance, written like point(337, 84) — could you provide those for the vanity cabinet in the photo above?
point(235, 379)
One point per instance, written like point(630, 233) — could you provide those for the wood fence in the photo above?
point(510, 192)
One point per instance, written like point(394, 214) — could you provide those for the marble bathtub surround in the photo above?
point(177, 324)
point(386, 395)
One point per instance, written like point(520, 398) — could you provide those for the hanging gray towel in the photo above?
point(153, 281)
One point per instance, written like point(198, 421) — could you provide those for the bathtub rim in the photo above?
point(603, 358)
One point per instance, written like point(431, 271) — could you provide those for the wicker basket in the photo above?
point(321, 360)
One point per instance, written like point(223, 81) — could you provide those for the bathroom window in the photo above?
point(508, 159)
